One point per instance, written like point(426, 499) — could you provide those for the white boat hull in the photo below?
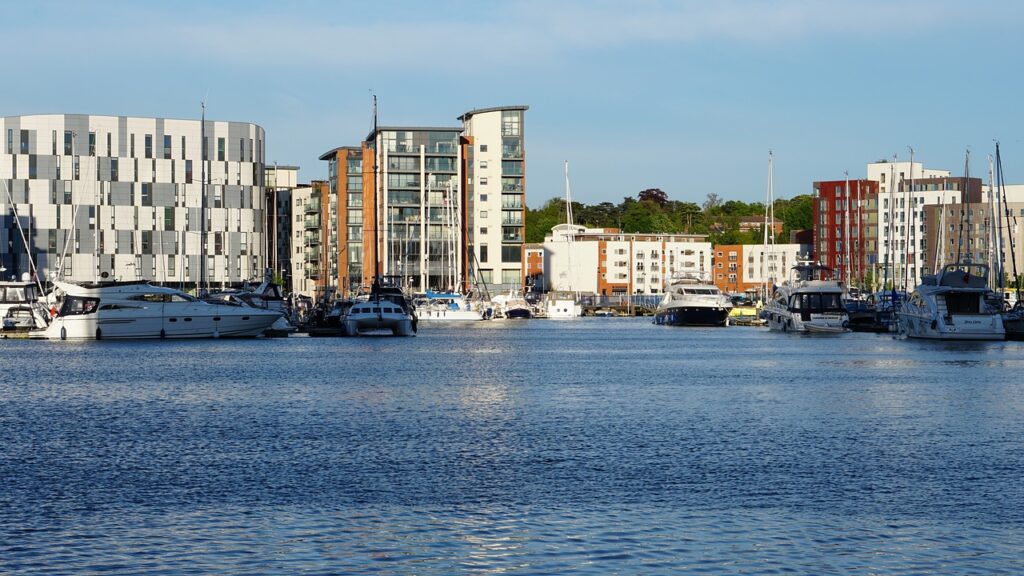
point(953, 327)
point(118, 324)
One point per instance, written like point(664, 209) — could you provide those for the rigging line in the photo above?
point(1009, 217)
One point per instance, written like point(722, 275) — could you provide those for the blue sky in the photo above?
point(684, 96)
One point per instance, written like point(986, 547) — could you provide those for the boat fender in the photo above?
point(53, 311)
point(935, 324)
point(63, 333)
point(163, 333)
point(99, 333)
point(415, 323)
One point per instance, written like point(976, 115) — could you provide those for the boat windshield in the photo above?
point(77, 305)
point(16, 294)
point(817, 302)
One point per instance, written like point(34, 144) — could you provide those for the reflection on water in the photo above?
point(597, 446)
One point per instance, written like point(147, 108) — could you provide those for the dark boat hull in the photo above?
point(692, 316)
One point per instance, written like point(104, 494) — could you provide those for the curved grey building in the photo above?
point(121, 198)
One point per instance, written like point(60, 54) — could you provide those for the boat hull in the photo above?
point(692, 316)
point(155, 326)
point(975, 327)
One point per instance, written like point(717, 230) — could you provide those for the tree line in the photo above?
point(651, 211)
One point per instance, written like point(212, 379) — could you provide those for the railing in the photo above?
point(311, 223)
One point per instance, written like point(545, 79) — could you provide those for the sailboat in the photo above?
point(564, 302)
point(1013, 317)
point(386, 309)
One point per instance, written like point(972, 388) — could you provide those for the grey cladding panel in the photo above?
point(121, 193)
point(163, 194)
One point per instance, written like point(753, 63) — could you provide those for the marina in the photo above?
point(597, 445)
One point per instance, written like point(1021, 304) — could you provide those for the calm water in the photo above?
point(596, 446)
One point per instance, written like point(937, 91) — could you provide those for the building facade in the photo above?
point(969, 232)
point(441, 208)
point(749, 267)
point(122, 198)
point(609, 262)
point(495, 183)
point(280, 181)
point(846, 228)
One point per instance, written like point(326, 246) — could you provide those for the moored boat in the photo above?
point(808, 302)
point(692, 300)
point(952, 306)
point(141, 310)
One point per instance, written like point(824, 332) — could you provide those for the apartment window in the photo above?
point(483, 181)
point(182, 147)
point(113, 170)
point(220, 149)
point(483, 231)
point(24, 141)
point(69, 139)
point(167, 147)
point(483, 214)
point(483, 163)
point(483, 252)
point(149, 145)
point(483, 147)
point(10, 141)
point(110, 147)
point(92, 143)
point(483, 197)
point(241, 149)
point(53, 144)
point(188, 171)
point(32, 167)
point(147, 194)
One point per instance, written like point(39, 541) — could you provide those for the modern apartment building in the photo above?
point(747, 267)
point(845, 228)
point(445, 205)
point(280, 181)
point(901, 230)
point(495, 179)
point(968, 231)
point(122, 198)
point(607, 261)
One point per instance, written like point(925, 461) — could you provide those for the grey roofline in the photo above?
point(466, 116)
point(138, 117)
point(413, 129)
point(333, 151)
point(281, 167)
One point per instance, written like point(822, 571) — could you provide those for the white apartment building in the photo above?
point(122, 198)
point(606, 262)
point(304, 245)
point(902, 228)
point(771, 264)
point(496, 192)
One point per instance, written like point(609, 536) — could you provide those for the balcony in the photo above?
point(311, 207)
point(511, 153)
point(511, 235)
point(512, 218)
point(311, 223)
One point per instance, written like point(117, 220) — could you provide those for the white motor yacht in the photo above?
point(386, 310)
point(562, 304)
point(952, 306)
point(692, 300)
point(141, 310)
point(20, 308)
point(266, 296)
point(451, 307)
point(807, 302)
point(512, 306)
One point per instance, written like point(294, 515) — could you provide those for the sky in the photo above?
point(687, 97)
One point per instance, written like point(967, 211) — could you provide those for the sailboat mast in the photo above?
point(1011, 221)
point(769, 220)
point(846, 222)
point(571, 232)
point(376, 224)
point(992, 228)
point(202, 200)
